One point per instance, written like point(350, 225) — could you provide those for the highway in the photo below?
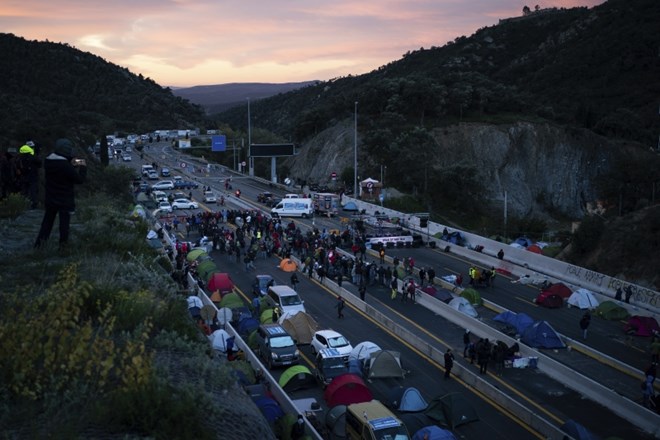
point(553, 401)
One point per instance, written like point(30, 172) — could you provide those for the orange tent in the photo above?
point(288, 265)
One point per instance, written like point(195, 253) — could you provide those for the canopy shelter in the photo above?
point(301, 326)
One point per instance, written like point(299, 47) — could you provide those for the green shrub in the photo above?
point(13, 206)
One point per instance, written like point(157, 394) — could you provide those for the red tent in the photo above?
point(641, 326)
point(346, 389)
point(549, 300)
point(535, 248)
point(221, 282)
point(559, 289)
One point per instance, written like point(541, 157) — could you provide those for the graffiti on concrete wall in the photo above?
point(641, 295)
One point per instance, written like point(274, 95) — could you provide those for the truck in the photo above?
point(326, 203)
point(293, 208)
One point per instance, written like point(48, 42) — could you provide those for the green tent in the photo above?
point(296, 378)
point(231, 301)
point(195, 254)
point(611, 311)
point(252, 341)
point(472, 295)
point(266, 316)
point(451, 410)
point(205, 268)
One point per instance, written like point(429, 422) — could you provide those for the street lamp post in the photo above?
point(249, 158)
point(355, 169)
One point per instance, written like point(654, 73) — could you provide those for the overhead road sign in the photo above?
point(270, 150)
point(219, 143)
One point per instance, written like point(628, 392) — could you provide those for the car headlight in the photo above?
point(274, 355)
point(297, 353)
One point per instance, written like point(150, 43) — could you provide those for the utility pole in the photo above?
point(355, 166)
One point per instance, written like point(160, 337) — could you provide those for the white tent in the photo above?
point(363, 351)
point(219, 340)
point(583, 299)
point(225, 315)
point(463, 305)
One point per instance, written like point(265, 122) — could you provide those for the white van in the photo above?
point(285, 298)
point(293, 208)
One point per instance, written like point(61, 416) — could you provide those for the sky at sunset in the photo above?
point(200, 42)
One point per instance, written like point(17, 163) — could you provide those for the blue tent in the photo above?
point(542, 335)
point(519, 321)
point(269, 408)
point(354, 367)
point(406, 399)
point(350, 206)
point(523, 241)
point(577, 431)
point(247, 325)
point(455, 237)
point(433, 432)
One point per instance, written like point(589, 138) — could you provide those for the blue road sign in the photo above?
point(219, 143)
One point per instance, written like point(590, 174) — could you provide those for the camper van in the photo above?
point(275, 346)
point(373, 421)
point(326, 203)
point(293, 208)
point(285, 298)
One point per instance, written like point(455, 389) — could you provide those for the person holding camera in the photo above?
point(62, 172)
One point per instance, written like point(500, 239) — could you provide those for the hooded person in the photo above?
point(27, 173)
point(62, 172)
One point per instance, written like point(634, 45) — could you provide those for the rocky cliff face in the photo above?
point(541, 167)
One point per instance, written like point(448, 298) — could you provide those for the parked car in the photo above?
point(261, 284)
point(165, 172)
point(209, 197)
point(165, 206)
point(163, 184)
point(160, 196)
point(126, 157)
point(180, 195)
point(331, 339)
point(184, 204)
point(275, 346)
point(152, 175)
point(185, 184)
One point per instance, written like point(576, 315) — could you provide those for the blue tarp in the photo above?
point(519, 321)
point(433, 433)
point(269, 408)
point(542, 335)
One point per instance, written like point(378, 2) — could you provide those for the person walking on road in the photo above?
point(584, 323)
point(362, 291)
point(449, 362)
point(294, 280)
point(466, 342)
point(340, 307)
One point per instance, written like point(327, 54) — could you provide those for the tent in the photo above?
point(472, 295)
point(464, 306)
point(383, 364)
point(583, 299)
point(641, 326)
point(430, 290)
point(523, 241)
point(455, 237)
point(221, 282)
point(363, 350)
point(560, 289)
point(549, 300)
point(205, 268)
point(535, 248)
point(247, 325)
point(433, 432)
point(416, 421)
point(231, 300)
point(225, 315)
point(350, 206)
point(195, 254)
point(406, 399)
point(266, 316)
point(519, 321)
point(269, 408)
point(297, 377)
point(439, 293)
point(611, 311)
point(451, 410)
point(216, 297)
point(335, 419)
point(346, 389)
point(542, 335)
point(288, 265)
point(219, 340)
point(577, 431)
point(301, 326)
